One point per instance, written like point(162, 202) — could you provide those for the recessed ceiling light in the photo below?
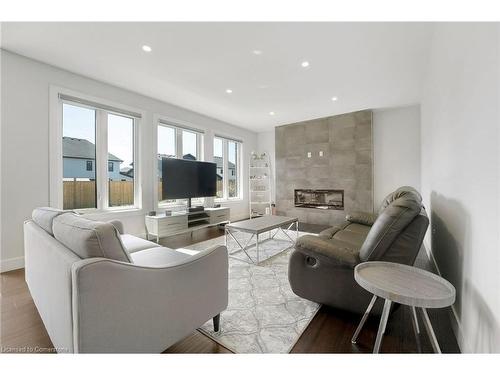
point(305, 64)
point(272, 113)
point(229, 91)
point(146, 48)
point(257, 52)
point(334, 99)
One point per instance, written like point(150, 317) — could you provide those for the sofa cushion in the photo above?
point(358, 228)
point(89, 238)
point(133, 243)
point(157, 257)
point(44, 216)
point(330, 232)
point(353, 238)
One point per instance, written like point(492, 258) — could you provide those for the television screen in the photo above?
point(188, 179)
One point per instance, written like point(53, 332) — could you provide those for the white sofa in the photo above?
point(99, 290)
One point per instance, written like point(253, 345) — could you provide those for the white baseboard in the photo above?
point(11, 264)
point(455, 322)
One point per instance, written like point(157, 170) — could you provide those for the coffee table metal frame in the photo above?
point(233, 227)
point(416, 279)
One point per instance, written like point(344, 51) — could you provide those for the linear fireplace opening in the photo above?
point(325, 199)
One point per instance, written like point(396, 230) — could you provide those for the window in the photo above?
point(219, 160)
point(111, 183)
point(227, 157)
point(78, 145)
point(121, 153)
point(181, 143)
point(189, 145)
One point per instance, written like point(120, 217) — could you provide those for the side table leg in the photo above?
point(382, 325)
point(415, 319)
point(363, 319)
point(430, 332)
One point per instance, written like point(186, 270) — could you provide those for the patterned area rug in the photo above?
point(263, 315)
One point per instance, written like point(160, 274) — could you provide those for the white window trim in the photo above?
point(56, 159)
point(225, 170)
point(178, 126)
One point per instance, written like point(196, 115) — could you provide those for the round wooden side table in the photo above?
point(405, 285)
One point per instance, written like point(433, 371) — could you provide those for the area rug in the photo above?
point(263, 315)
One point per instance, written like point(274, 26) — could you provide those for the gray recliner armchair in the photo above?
point(321, 268)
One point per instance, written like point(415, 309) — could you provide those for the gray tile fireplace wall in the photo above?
point(327, 153)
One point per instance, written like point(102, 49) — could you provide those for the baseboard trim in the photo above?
point(11, 264)
point(455, 322)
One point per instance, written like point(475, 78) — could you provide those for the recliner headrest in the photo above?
point(398, 210)
point(398, 193)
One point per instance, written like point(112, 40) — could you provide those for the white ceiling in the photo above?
point(365, 65)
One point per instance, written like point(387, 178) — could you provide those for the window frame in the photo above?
point(225, 169)
point(101, 160)
point(179, 127)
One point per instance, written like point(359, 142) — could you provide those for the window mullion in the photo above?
point(137, 167)
point(225, 168)
point(238, 174)
point(178, 143)
point(102, 159)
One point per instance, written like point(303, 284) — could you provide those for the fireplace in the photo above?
point(325, 199)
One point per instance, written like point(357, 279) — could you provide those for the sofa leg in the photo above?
point(216, 320)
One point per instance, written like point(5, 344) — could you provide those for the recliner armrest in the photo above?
point(364, 218)
point(318, 247)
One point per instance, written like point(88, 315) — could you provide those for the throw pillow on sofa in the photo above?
point(89, 238)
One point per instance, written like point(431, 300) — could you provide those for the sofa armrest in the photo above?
point(328, 251)
point(122, 307)
point(364, 218)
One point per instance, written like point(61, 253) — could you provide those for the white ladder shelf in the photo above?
point(260, 184)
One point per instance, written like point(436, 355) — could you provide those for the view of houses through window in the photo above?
point(80, 164)
point(83, 170)
point(121, 171)
point(78, 146)
point(218, 159)
point(226, 154)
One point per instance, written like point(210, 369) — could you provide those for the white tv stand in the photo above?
point(185, 222)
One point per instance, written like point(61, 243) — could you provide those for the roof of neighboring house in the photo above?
point(218, 161)
point(82, 149)
point(127, 171)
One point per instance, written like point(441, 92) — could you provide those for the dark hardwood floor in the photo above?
point(329, 332)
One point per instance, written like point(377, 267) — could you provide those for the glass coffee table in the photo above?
point(258, 226)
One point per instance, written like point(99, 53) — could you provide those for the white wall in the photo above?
point(460, 175)
point(396, 150)
point(25, 145)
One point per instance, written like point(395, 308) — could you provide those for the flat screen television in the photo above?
point(188, 179)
